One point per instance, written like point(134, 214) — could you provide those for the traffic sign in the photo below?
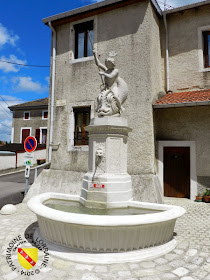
point(30, 144)
point(27, 171)
point(29, 159)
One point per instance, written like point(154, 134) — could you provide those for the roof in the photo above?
point(187, 7)
point(18, 147)
point(95, 7)
point(39, 103)
point(185, 98)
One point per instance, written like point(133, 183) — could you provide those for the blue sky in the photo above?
point(24, 39)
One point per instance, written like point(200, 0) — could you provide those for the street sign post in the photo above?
point(30, 145)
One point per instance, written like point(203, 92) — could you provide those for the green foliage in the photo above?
point(207, 192)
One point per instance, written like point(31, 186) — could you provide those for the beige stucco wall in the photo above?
point(183, 48)
point(134, 35)
point(189, 124)
point(34, 122)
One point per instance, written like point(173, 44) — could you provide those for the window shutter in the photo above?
point(37, 135)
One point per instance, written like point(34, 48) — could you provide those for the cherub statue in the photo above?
point(114, 90)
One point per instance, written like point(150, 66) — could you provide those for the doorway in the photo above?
point(177, 172)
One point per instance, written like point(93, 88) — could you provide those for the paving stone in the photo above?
point(191, 266)
point(168, 276)
point(191, 252)
point(101, 269)
point(177, 263)
point(144, 272)
point(154, 277)
point(60, 264)
point(187, 278)
point(178, 251)
point(206, 267)
point(160, 261)
point(133, 266)
point(84, 267)
point(10, 276)
point(181, 271)
point(147, 264)
point(124, 273)
point(171, 257)
point(197, 260)
point(90, 276)
point(201, 274)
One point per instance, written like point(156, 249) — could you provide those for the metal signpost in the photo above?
point(30, 145)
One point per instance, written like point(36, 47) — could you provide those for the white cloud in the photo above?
point(7, 67)
point(47, 79)
point(27, 84)
point(6, 118)
point(7, 37)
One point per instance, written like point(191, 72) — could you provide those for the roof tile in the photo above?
point(184, 97)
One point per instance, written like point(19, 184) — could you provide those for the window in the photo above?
point(24, 133)
point(83, 46)
point(43, 135)
point(37, 135)
point(82, 119)
point(206, 48)
point(26, 116)
point(44, 115)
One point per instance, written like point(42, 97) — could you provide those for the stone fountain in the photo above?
point(104, 220)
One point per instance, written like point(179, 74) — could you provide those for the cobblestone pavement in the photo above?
point(189, 260)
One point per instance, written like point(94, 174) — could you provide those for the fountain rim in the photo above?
point(36, 205)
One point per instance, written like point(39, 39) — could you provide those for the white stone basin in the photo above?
point(105, 233)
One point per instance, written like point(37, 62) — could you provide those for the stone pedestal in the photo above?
point(107, 183)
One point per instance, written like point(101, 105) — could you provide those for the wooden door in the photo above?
point(25, 134)
point(177, 172)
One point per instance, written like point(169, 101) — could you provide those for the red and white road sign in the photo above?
point(30, 144)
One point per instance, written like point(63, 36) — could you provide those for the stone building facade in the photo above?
point(157, 54)
point(30, 119)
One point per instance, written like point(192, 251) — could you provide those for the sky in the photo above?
point(24, 39)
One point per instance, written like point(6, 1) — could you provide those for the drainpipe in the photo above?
point(52, 92)
point(167, 56)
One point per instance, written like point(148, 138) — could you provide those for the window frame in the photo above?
point(72, 59)
point(71, 127)
point(44, 111)
point(201, 62)
point(29, 115)
point(83, 28)
point(206, 54)
point(41, 134)
point(30, 128)
point(77, 110)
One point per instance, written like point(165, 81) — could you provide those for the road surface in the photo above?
point(12, 187)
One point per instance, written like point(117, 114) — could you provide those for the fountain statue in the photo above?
point(114, 90)
point(105, 218)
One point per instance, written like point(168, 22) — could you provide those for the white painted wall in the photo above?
point(40, 154)
point(9, 161)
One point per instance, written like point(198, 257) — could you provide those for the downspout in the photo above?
point(167, 56)
point(52, 92)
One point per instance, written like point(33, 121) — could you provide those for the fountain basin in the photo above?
point(102, 233)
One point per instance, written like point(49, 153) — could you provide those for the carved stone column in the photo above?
point(107, 183)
